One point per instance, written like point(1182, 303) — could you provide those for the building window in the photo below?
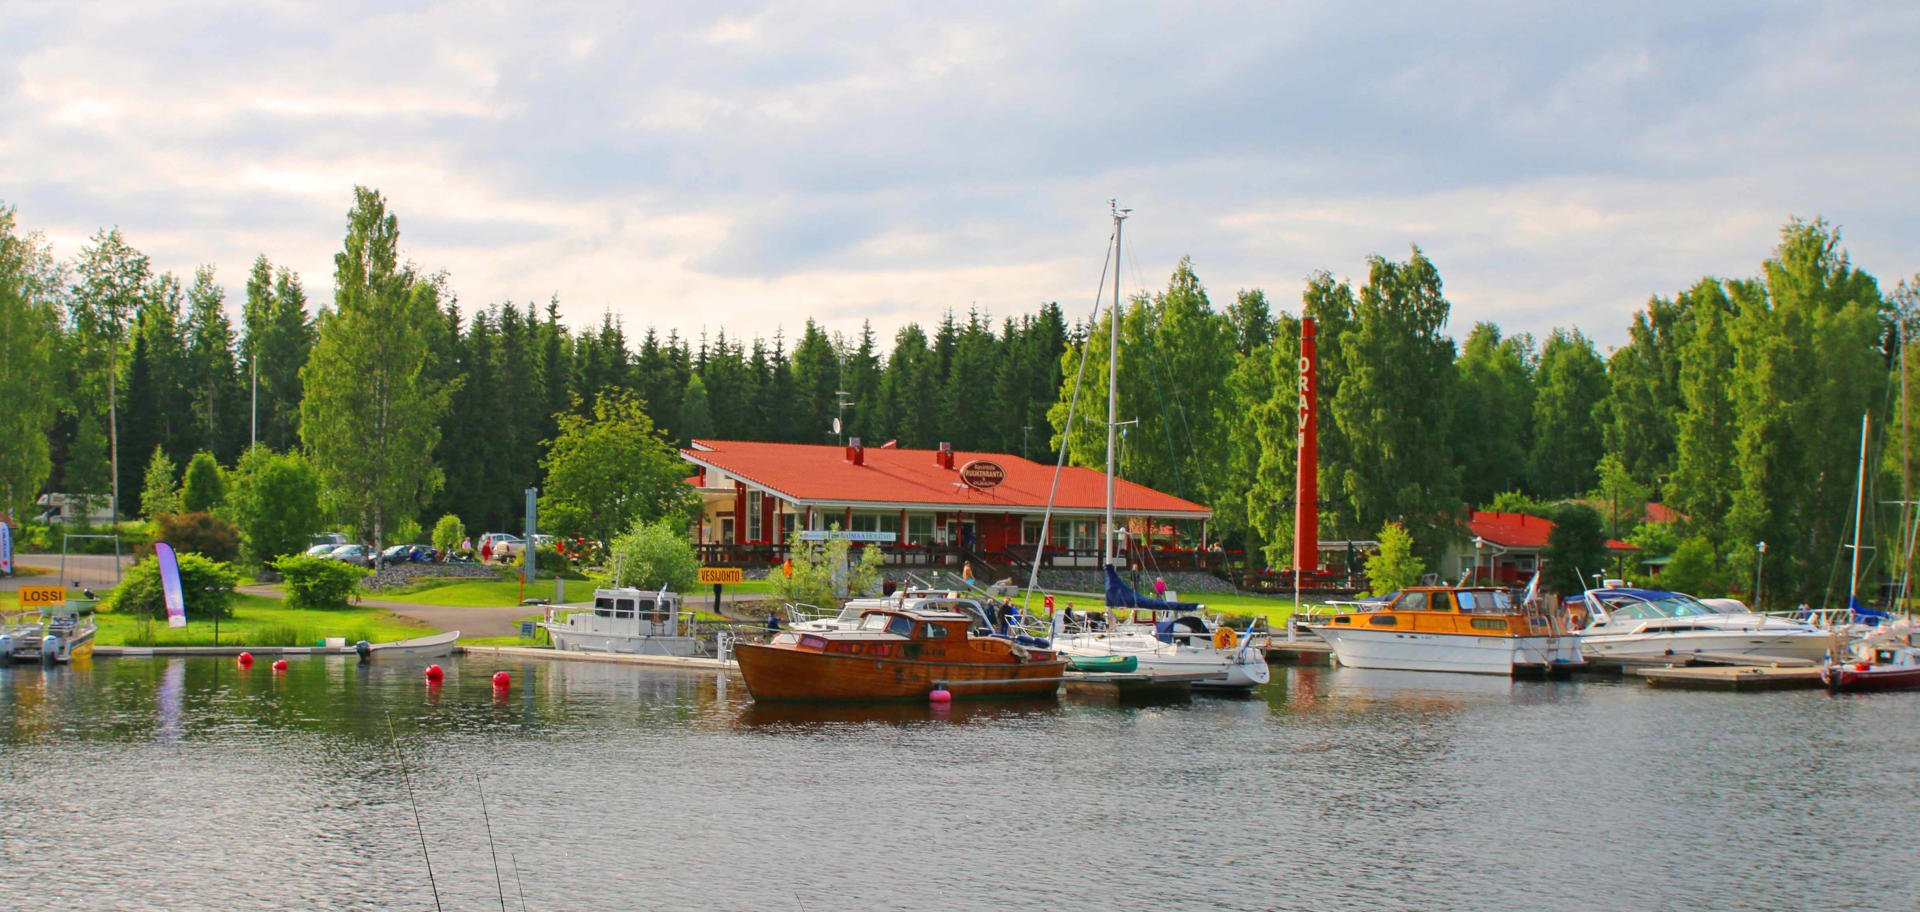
point(753, 515)
point(1030, 531)
point(919, 528)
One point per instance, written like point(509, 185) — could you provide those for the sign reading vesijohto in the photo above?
point(980, 474)
point(720, 575)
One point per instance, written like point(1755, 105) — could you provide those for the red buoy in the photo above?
point(280, 665)
point(502, 679)
point(246, 660)
point(434, 673)
point(940, 695)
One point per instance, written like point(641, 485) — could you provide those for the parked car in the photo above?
point(505, 546)
point(321, 550)
point(397, 554)
point(330, 539)
point(358, 555)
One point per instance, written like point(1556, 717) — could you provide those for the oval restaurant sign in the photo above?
point(981, 474)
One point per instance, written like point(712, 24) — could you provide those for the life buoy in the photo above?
point(1225, 638)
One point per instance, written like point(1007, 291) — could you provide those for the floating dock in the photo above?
point(1303, 651)
point(1734, 677)
point(701, 663)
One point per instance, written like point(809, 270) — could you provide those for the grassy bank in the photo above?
point(260, 621)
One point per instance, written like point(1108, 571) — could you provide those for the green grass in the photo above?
point(23, 570)
point(261, 621)
point(478, 593)
point(1275, 609)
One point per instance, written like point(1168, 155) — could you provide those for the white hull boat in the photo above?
point(1413, 651)
point(436, 646)
point(1654, 623)
point(1187, 645)
point(629, 622)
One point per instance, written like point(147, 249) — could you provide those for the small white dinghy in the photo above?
point(436, 646)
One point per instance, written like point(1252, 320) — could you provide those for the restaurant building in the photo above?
point(928, 506)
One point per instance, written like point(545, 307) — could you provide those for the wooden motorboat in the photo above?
point(434, 646)
point(1881, 663)
point(1444, 628)
point(898, 653)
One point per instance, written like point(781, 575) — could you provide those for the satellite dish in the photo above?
point(836, 425)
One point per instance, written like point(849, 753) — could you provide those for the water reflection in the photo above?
point(960, 712)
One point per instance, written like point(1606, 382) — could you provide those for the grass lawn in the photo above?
point(479, 593)
point(261, 621)
point(1275, 609)
point(24, 570)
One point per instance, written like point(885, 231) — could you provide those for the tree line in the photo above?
point(1736, 401)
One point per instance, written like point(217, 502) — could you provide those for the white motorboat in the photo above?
point(626, 621)
point(432, 646)
point(1653, 623)
point(59, 635)
point(1443, 628)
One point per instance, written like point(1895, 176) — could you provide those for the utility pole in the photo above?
point(1023, 439)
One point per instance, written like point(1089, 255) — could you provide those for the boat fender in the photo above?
point(1224, 637)
point(1020, 653)
point(364, 649)
point(49, 648)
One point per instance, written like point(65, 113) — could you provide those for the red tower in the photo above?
point(1306, 509)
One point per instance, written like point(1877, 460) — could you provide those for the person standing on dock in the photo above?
point(1160, 588)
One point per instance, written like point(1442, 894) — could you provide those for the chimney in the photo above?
point(856, 453)
point(943, 457)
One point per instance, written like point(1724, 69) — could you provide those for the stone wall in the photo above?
point(400, 574)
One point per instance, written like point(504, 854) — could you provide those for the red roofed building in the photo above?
point(925, 506)
point(1505, 547)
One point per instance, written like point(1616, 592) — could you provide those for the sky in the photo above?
point(700, 167)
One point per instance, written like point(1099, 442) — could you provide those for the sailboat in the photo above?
point(1179, 638)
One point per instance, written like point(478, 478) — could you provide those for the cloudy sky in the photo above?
point(745, 166)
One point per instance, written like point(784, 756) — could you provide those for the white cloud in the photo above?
point(749, 165)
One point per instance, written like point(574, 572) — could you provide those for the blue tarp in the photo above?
point(1121, 595)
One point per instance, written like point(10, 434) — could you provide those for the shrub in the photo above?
point(317, 582)
point(546, 559)
point(206, 589)
point(653, 555)
point(407, 532)
point(1394, 567)
point(159, 493)
point(813, 580)
point(198, 533)
point(203, 488)
point(447, 534)
point(275, 499)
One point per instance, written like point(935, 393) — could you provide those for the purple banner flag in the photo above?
point(6, 547)
point(170, 584)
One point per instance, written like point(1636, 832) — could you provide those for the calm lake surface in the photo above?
point(186, 783)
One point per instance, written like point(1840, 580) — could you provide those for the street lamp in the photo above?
point(1758, 562)
point(1478, 543)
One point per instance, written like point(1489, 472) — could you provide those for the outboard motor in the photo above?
point(6, 649)
point(363, 649)
point(49, 648)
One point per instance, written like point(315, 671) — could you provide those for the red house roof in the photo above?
point(1519, 530)
point(894, 477)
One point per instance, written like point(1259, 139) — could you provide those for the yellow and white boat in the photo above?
point(1445, 628)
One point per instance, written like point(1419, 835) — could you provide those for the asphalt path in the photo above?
point(487, 620)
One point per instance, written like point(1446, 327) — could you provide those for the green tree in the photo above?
point(448, 533)
point(1705, 474)
point(613, 470)
point(1394, 566)
point(161, 492)
point(1639, 419)
point(213, 380)
point(1568, 412)
point(275, 500)
point(1576, 549)
point(822, 574)
point(113, 282)
point(89, 473)
point(1396, 396)
point(278, 334)
point(655, 554)
point(1494, 413)
point(696, 421)
point(29, 330)
point(1621, 498)
point(1519, 502)
point(369, 419)
point(203, 490)
point(1696, 569)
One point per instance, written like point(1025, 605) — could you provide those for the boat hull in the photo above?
point(1846, 678)
point(1795, 645)
point(777, 673)
point(1229, 669)
point(568, 639)
point(1412, 651)
point(438, 645)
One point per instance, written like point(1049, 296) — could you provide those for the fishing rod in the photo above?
point(488, 820)
point(421, 831)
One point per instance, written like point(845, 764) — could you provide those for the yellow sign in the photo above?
point(42, 596)
point(719, 575)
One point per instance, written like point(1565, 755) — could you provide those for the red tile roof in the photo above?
point(807, 472)
point(1519, 530)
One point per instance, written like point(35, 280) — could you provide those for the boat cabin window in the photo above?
point(933, 631)
point(1384, 620)
point(875, 621)
point(623, 608)
point(1411, 601)
point(1486, 602)
point(603, 607)
point(900, 625)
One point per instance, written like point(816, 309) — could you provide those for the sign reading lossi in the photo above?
point(42, 596)
point(981, 474)
point(719, 576)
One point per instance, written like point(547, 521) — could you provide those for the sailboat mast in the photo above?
point(1859, 505)
point(1113, 377)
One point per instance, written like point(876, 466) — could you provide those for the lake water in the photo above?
point(176, 784)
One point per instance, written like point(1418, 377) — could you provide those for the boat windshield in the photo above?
point(874, 621)
point(1670, 606)
point(1485, 602)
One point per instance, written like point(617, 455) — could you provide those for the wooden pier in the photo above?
point(700, 663)
point(1304, 651)
point(1734, 677)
